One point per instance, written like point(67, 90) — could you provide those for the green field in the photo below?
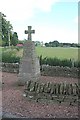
point(0, 49)
point(58, 52)
point(52, 52)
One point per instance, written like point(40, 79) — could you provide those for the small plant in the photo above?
point(10, 57)
point(58, 62)
point(77, 64)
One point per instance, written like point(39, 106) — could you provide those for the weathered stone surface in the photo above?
point(52, 92)
point(29, 66)
point(60, 71)
point(9, 115)
point(14, 68)
point(29, 32)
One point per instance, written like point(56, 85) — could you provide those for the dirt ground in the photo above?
point(13, 101)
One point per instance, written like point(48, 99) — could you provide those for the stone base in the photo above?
point(29, 65)
point(22, 79)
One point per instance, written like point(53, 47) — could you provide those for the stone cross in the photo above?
point(29, 32)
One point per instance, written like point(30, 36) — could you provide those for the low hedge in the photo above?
point(58, 62)
point(9, 56)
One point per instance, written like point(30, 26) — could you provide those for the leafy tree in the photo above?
point(14, 40)
point(0, 27)
point(7, 37)
point(37, 43)
point(6, 29)
point(55, 43)
point(47, 45)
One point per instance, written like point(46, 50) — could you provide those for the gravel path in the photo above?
point(13, 102)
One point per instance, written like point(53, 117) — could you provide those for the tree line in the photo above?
point(55, 43)
point(7, 36)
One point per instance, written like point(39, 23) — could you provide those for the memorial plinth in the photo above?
point(29, 66)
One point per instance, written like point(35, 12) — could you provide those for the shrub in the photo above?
point(66, 62)
point(58, 62)
point(77, 64)
point(16, 48)
point(10, 57)
point(53, 62)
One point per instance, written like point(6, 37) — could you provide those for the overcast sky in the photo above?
point(51, 19)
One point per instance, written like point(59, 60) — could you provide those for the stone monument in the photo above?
point(29, 65)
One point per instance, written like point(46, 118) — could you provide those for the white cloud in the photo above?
point(18, 10)
point(45, 5)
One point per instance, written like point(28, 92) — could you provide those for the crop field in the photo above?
point(58, 52)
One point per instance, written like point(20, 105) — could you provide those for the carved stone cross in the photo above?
point(29, 32)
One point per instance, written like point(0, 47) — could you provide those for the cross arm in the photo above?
point(26, 32)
